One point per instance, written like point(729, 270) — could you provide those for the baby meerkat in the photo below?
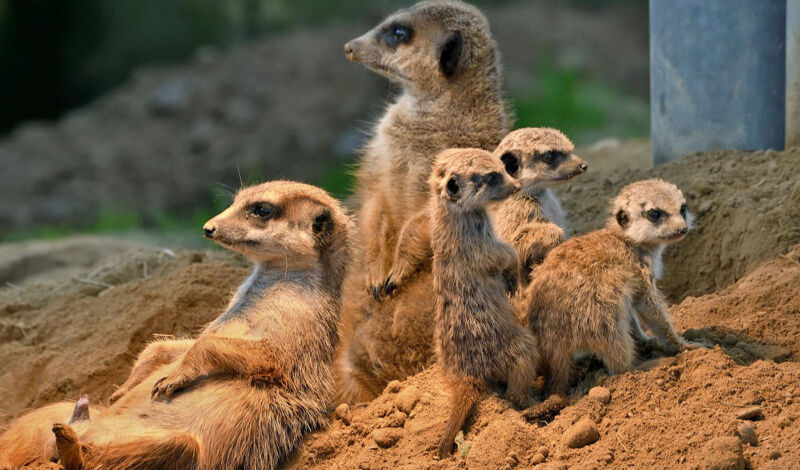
point(256, 380)
point(539, 158)
point(443, 55)
point(589, 290)
point(478, 340)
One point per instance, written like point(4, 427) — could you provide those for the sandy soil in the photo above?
point(61, 336)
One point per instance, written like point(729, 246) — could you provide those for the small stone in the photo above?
point(659, 382)
point(723, 453)
point(342, 412)
point(394, 386)
point(775, 455)
point(386, 437)
point(581, 434)
point(537, 459)
point(747, 434)
point(753, 413)
point(407, 399)
point(730, 339)
point(601, 394)
point(544, 451)
point(397, 419)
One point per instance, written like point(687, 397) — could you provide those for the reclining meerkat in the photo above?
point(478, 339)
point(589, 290)
point(539, 158)
point(443, 56)
point(244, 393)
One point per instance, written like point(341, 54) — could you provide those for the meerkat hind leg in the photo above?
point(68, 446)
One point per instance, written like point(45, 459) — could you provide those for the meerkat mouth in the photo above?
point(673, 237)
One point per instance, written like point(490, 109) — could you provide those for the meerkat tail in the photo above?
point(173, 450)
point(465, 393)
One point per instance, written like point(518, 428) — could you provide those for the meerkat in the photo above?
point(589, 291)
point(444, 57)
point(539, 158)
point(478, 340)
point(244, 393)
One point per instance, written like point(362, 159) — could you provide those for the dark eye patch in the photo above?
point(511, 163)
point(552, 157)
point(263, 210)
point(655, 215)
point(493, 179)
point(683, 211)
point(396, 34)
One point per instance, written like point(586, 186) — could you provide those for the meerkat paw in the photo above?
point(168, 386)
point(68, 446)
point(375, 285)
point(512, 282)
point(118, 393)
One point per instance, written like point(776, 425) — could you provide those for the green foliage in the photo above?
point(339, 180)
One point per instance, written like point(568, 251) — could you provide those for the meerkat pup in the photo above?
point(539, 158)
point(443, 56)
point(589, 291)
point(244, 393)
point(477, 337)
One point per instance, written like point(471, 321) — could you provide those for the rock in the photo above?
point(730, 339)
point(407, 399)
point(395, 420)
point(753, 413)
point(342, 412)
point(601, 394)
point(537, 459)
point(581, 434)
point(775, 455)
point(394, 386)
point(544, 451)
point(547, 410)
point(386, 437)
point(722, 453)
point(747, 434)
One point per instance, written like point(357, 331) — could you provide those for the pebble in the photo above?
point(342, 412)
point(394, 386)
point(601, 394)
point(397, 419)
point(730, 339)
point(386, 437)
point(775, 455)
point(753, 413)
point(581, 434)
point(747, 433)
point(407, 399)
point(537, 459)
point(544, 451)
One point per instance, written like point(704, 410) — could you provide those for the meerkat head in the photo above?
point(430, 47)
point(283, 224)
point(651, 212)
point(470, 178)
point(539, 157)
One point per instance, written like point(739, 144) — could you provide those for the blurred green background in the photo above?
point(573, 66)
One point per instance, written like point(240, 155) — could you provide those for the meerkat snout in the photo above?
point(208, 230)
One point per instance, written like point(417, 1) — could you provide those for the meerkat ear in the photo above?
point(323, 226)
point(511, 162)
point(453, 188)
point(622, 218)
point(451, 52)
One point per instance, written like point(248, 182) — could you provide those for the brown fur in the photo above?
point(589, 290)
point(478, 340)
point(394, 342)
point(433, 112)
point(257, 378)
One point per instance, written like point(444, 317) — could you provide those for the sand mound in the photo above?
point(742, 201)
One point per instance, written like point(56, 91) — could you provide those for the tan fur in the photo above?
point(393, 342)
point(433, 112)
point(587, 293)
point(478, 340)
point(257, 378)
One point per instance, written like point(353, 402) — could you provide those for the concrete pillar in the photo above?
point(717, 75)
point(792, 73)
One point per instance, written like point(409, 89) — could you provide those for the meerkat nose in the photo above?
point(583, 166)
point(683, 230)
point(349, 49)
point(208, 231)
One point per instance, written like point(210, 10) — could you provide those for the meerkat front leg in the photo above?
point(412, 250)
point(508, 264)
point(534, 240)
point(372, 238)
point(653, 311)
point(214, 354)
point(155, 355)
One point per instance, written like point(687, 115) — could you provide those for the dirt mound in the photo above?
point(740, 200)
point(62, 339)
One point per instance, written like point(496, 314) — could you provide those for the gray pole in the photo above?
point(792, 73)
point(717, 75)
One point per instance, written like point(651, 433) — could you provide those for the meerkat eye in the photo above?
point(511, 163)
point(654, 215)
point(262, 212)
point(683, 211)
point(397, 34)
point(550, 157)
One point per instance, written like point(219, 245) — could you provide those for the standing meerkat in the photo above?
point(539, 158)
point(478, 340)
point(589, 290)
point(443, 56)
point(244, 393)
